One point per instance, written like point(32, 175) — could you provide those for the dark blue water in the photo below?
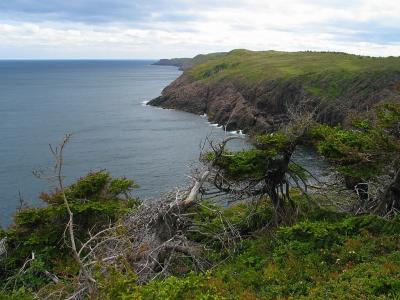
point(101, 103)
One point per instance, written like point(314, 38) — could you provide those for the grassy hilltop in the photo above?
point(267, 65)
point(336, 70)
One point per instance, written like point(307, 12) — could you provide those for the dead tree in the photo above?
point(382, 196)
point(153, 239)
point(389, 204)
point(69, 233)
point(159, 231)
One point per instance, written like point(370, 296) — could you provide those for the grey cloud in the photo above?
point(106, 11)
point(86, 11)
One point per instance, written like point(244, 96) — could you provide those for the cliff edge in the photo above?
point(251, 90)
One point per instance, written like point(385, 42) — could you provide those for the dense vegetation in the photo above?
point(288, 244)
point(96, 200)
point(324, 256)
point(362, 151)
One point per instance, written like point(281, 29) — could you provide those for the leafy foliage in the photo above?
point(389, 118)
point(96, 201)
point(252, 163)
point(364, 151)
point(268, 155)
point(327, 254)
point(263, 171)
point(21, 294)
point(244, 164)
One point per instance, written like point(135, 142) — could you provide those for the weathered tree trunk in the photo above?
point(390, 200)
point(158, 231)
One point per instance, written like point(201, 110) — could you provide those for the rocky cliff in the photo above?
point(252, 90)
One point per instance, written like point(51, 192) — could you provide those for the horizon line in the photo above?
point(94, 59)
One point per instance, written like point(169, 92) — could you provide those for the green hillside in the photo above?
point(269, 65)
point(323, 73)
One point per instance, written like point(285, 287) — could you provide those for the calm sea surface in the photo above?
point(101, 103)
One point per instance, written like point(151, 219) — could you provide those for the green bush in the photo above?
point(327, 255)
point(95, 200)
point(21, 294)
point(256, 162)
point(379, 279)
point(365, 151)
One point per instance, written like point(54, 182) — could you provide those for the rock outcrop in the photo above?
point(262, 106)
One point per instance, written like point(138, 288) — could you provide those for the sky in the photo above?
point(131, 29)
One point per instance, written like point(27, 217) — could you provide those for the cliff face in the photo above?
point(261, 105)
point(237, 107)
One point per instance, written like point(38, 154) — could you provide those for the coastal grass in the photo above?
point(326, 74)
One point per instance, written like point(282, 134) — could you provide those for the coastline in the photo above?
point(257, 106)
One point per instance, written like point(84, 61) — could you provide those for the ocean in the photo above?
point(102, 103)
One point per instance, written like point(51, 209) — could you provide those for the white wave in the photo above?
point(234, 132)
point(144, 103)
point(237, 132)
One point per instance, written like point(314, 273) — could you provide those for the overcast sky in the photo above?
point(178, 28)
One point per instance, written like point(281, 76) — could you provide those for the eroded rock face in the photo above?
point(262, 107)
point(183, 95)
point(236, 107)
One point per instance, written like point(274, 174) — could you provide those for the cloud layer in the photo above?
point(174, 28)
